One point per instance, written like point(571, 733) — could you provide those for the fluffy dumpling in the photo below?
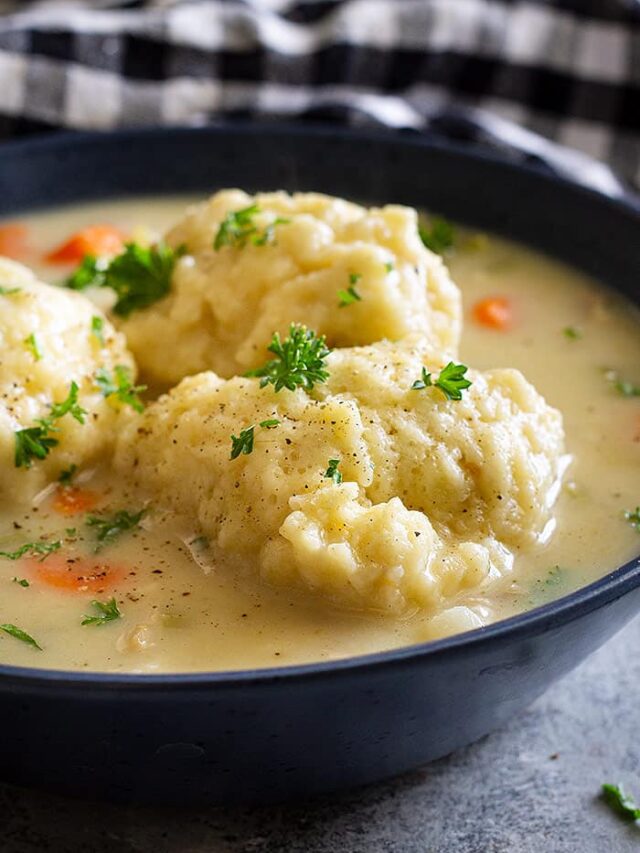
point(430, 495)
point(49, 340)
point(291, 258)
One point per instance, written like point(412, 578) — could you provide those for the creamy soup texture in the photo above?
point(167, 603)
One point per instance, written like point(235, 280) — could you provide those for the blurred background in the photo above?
point(553, 80)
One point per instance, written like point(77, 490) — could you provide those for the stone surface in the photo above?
point(531, 788)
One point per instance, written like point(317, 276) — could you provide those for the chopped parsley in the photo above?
point(439, 237)
point(35, 442)
point(106, 612)
point(121, 386)
point(19, 634)
point(67, 475)
point(109, 528)
point(573, 333)
point(451, 381)
point(139, 276)
point(238, 228)
point(242, 443)
point(97, 329)
point(350, 295)
point(389, 266)
point(23, 582)
point(299, 361)
point(31, 343)
point(34, 549)
point(332, 472)
point(633, 517)
point(620, 802)
point(8, 291)
point(271, 423)
point(622, 386)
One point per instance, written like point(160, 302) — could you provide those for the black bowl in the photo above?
point(296, 731)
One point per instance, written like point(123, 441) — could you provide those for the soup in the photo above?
point(121, 582)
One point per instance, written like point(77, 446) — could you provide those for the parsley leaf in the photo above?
point(238, 228)
point(300, 360)
point(109, 528)
point(97, 329)
point(70, 406)
point(242, 443)
point(139, 276)
point(23, 582)
point(19, 634)
point(34, 549)
point(270, 424)
point(619, 801)
point(32, 443)
point(622, 386)
point(439, 237)
point(451, 381)
point(107, 612)
point(8, 291)
point(121, 386)
point(633, 517)
point(350, 295)
point(31, 343)
point(67, 475)
point(573, 333)
point(332, 472)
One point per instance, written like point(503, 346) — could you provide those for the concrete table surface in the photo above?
point(530, 788)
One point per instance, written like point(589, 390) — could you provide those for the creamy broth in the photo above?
point(181, 613)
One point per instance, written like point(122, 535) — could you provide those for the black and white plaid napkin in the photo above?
point(557, 80)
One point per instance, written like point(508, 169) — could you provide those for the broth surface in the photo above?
point(181, 614)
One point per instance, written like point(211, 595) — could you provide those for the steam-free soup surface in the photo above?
point(179, 611)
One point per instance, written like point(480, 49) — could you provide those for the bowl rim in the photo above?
point(574, 605)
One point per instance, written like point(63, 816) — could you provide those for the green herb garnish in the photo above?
point(271, 423)
point(8, 291)
point(139, 276)
point(121, 386)
point(107, 612)
point(67, 475)
point(350, 295)
point(633, 517)
point(23, 582)
point(34, 549)
point(31, 343)
point(238, 228)
point(299, 362)
point(35, 442)
point(109, 528)
point(573, 333)
point(620, 802)
point(451, 381)
point(242, 443)
point(332, 472)
point(19, 634)
point(389, 266)
point(439, 237)
point(622, 386)
point(97, 329)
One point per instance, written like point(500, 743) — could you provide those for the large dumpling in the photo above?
point(378, 494)
point(53, 343)
point(356, 275)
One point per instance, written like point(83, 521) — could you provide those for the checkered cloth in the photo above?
point(556, 80)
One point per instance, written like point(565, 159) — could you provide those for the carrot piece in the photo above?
point(96, 240)
point(74, 574)
point(72, 500)
point(13, 240)
point(494, 312)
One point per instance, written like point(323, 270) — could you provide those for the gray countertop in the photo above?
point(530, 788)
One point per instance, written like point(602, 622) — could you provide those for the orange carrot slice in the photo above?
point(13, 240)
point(494, 312)
point(75, 574)
point(96, 240)
point(72, 500)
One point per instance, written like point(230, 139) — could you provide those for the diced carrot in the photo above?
point(494, 312)
point(96, 240)
point(13, 240)
point(74, 574)
point(72, 500)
